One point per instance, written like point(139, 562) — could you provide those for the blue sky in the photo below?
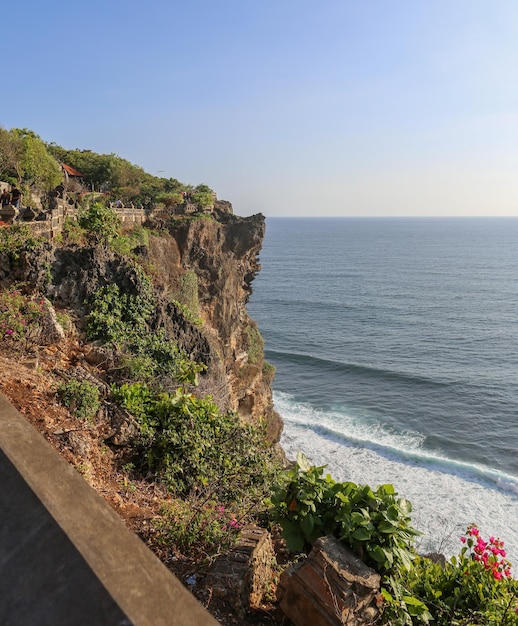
point(285, 107)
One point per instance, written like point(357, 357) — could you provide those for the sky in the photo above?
point(284, 107)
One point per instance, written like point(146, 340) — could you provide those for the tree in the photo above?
point(24, 156)
point(203, 195)
point(11, 154)
point(39, 168)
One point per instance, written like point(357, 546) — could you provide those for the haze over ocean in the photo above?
point(396, 347)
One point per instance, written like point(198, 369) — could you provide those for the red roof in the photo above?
point(71, 171)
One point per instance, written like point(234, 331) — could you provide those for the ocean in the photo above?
point(395, 343)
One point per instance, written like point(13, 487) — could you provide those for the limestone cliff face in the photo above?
point(223, 255)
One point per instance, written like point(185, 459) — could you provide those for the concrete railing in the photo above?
point(65, 556)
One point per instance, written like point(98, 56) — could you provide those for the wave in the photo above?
point(331, 365)
point(402, 447)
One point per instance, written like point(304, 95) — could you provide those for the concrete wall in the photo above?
point(65, 556)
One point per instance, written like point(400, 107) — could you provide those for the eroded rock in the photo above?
point(242, 576)
point(332, 587)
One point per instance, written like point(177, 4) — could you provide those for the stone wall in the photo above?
point(54, 220)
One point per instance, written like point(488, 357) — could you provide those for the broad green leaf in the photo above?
point(362, 534)
point(307, 524)
point(376, 553)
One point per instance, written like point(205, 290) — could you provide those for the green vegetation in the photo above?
point(255, 344)
point(187, 293)
point(16, 238)
point(474, 588)
point(192, 446)
point(374, 524)
point(125, 243)
point(268, 371)
point(35, 166)
point(24, 158)
point(202, 195)
point(198, 526)
point(109, 173)
point(125, 320)
point(101, 223)
point(81, 397)
point(218, 470)
point(20, 318)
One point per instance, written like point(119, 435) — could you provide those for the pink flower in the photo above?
point(463, 539)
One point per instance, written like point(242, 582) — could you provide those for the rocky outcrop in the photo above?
point(242, 576)
point(331, 587)
point(224, 256)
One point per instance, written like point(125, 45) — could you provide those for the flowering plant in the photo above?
point(194, 526)
point(20, 316)
point(474, 587)
point(490, 554)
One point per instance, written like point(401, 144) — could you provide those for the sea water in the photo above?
point(395, 343)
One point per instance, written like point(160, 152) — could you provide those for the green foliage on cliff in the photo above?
point(187, 293)
point(16, 238)
point(194, 447)
point(25, 159)
point(124, 320)
point(202, 196)
point(124, 180)
point(255, 344)
point(101, 222)
point(374, 524)
point(20, 318)
point(81, 397)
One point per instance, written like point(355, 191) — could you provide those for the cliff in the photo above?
point(206, 265)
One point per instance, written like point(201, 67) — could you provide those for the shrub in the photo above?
point(474, 587)
point(187, 294)
point(193, 447)
point(125, 320)
point(20, 317)
point(101, 222)
point(16, 238)
point(202, 195)
point(81, 397)
point(196, 524)
point(72, 231)
point(268, 371)
point(374, 524)
point(255, 344)
point(126, 243)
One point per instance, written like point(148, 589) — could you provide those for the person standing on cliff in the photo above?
point(16, 196)
point(5, 198)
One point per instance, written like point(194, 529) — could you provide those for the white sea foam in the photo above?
point(446, 495)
